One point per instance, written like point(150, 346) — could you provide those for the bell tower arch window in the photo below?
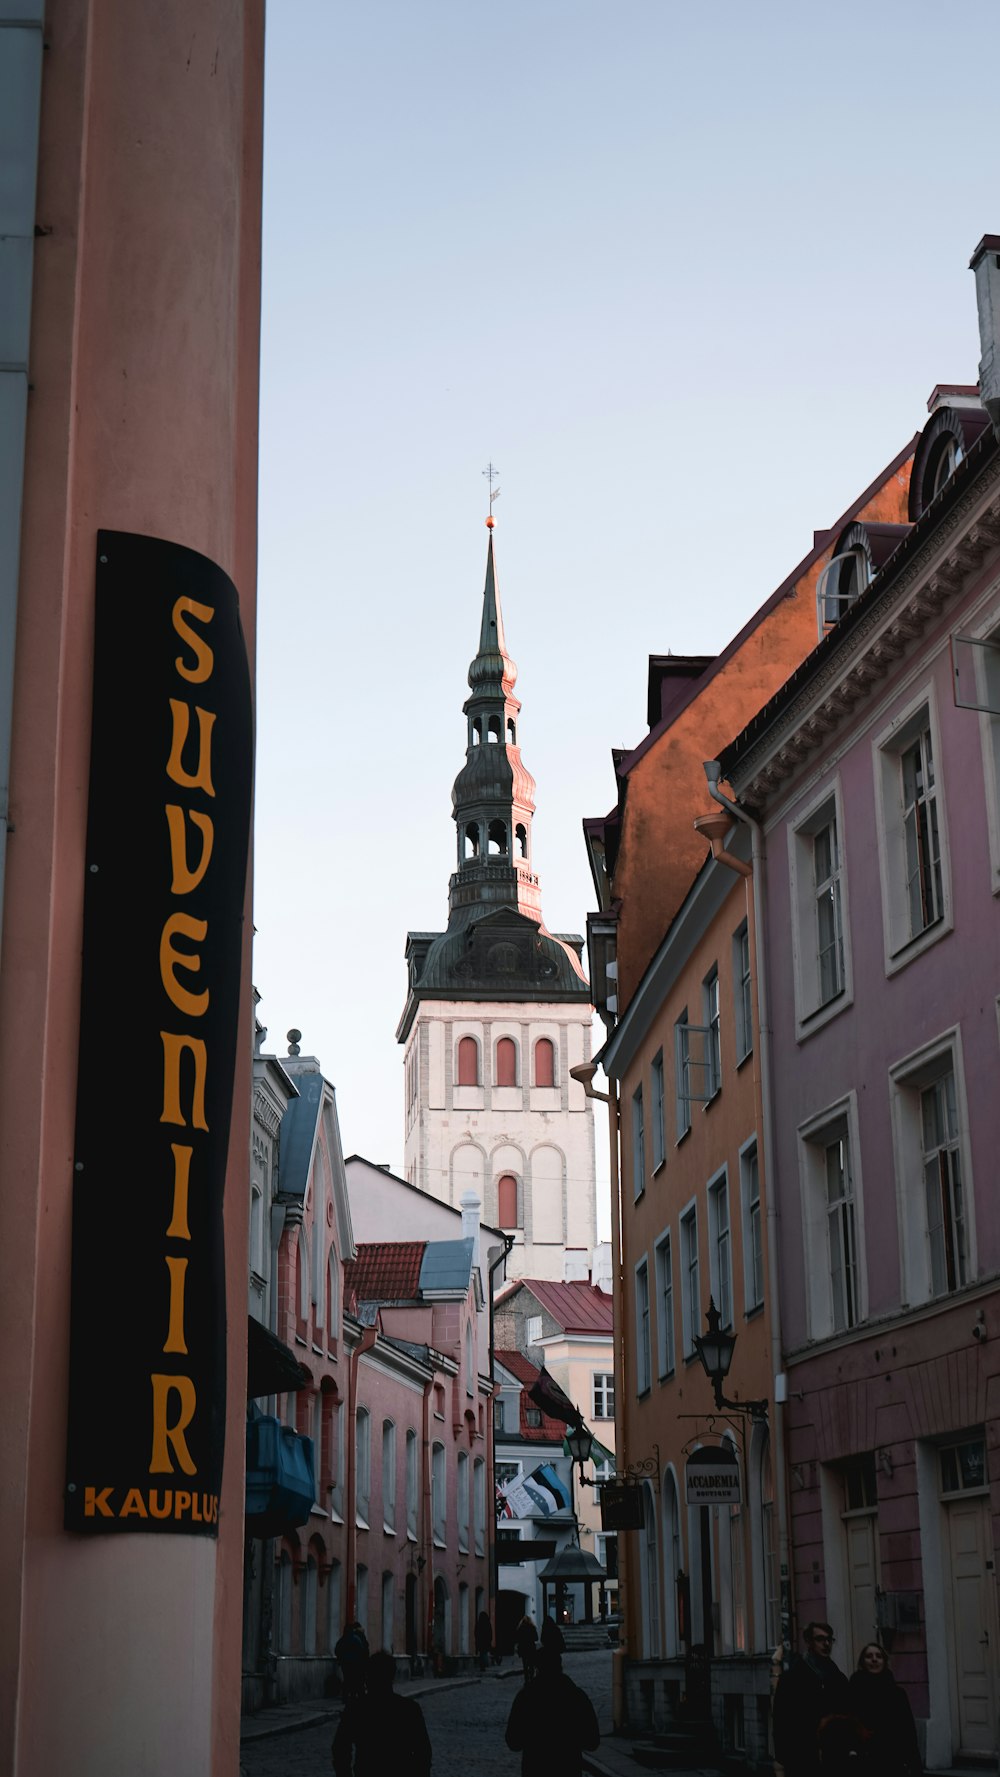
point(506, 1062)
point(545, 1063)
point(493, 730)
point(472, 840)
point(498, 839)
point(507, 1201)
point(476, 733)
point(521, 840)
point(468, 1062)
point(511, 732)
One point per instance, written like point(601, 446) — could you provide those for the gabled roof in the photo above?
point(550, 1431)
point(578, 1307)
point(447, 1266)
point(299, 1127)
point(386, 1271)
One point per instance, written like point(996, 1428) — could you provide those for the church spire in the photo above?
point(493, 794)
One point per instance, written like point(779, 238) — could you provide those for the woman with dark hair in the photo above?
point(883, 1709)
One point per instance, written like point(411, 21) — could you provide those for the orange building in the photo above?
point(672, 951)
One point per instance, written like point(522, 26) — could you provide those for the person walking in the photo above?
point(883, 1709)
point(484, 1640)
point(812, 1689)
point(552, 1722)
point(380, 1734)
point(553, 1637)
point(525, 1640)
point(351, 1653)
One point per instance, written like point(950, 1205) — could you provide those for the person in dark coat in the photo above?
point(382, 1735)
point(553, 1637)
point(812, 1689)
point(525, 1640)
point(351, 1654)
point(883, 1709)
point(484, 1639)
point(552, 1722)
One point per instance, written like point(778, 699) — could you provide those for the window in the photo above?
point(533, 1417)
point(533, 1328)
point(690, 1279)
point(832, 1224)
point(362, 1597)
point(363, 1464)
point(257, 1230)
point(916, 898)
point(438, 1495)
point(388, 1475)
point(753, 1234)
point(820, 950)
point(931, 1136)
point(664, 1268)
point(498, 1414)
point(479, 1504)
point(545, 1063)
point(840, 1233)
point(411, 1485)
point(642, 1366)
point(943, 1185)
point(963, 1467)
point(604, 1470)
point(720, 1258)
point(742, 992)
point(506, 1062)
point(638, 1145)
point(507, 1201)
point(659, 1115)
point(713, 1027)
point(694, 1069)
point(842, 581)
point(463, 1502)
point(470, 1368)
point(388, 1602)
point(468, 1062)
point(604, 1395)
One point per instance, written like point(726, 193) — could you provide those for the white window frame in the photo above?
point(743, 992)
point(412, 1484)
point(638, 1143)
point(816, 1135)
point(479, 1504)
point(362, 1465)
point(812, 1012)
point(720, 1245)
point(987, 673)
point(691, 1070)
point(533, 1329)
point(754, 1280)
point(659, 1110)
point(439, 1494)
point(711, 1002)
point(462, 1486)
point(388, 1476)
point(690, 1272)
point(901, 943)
point(643, 1351)
point(663, 1268)
point(603, 1394)
point(908, 1078)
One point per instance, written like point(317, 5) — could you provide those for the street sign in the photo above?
point(712, 1476)
point(621, 1506)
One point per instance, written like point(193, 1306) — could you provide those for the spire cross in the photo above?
point(491, 472)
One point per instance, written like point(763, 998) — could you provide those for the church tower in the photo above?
point(498, 1009)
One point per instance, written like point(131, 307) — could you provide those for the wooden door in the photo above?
point(974, 1636)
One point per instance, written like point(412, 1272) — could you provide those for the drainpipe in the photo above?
point(584, 1075)
point(427, 1527)
point(489, 1503)
point(755, 881)
point(364, 1344)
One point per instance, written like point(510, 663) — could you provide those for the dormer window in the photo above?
point(947, 455)
point(842, 581)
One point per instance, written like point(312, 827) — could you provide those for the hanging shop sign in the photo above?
point(621, 1506)
point(712, 1476)
point(165, 877)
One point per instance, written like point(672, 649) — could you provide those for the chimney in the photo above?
point(576, 1265)
point(600, 1275)
point(985, 262)
point(470, 1206)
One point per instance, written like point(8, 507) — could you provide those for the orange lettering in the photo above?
point(178, 1229)
point(175, 1326)
point(164, 1434)
point(155, 1509)
point(184, 878)
point(133, 1505)
point(182, 925)
point(181, 1502)
point(204, 659)
point(202, 779)
point(173, 1045)
point(94, 1502)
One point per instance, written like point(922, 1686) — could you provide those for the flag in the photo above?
point(545, 1476)
point(547, 1394)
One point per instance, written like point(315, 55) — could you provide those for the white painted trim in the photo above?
point(899, 949)
point(841, 1114)
point(907, 1077)
point(810, 1014)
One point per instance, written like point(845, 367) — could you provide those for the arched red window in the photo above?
point(506, 1062)
point(545, 1063)
point(507, 1201)
point(468, 1062)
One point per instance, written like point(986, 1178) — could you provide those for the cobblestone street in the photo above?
point(466, 1726)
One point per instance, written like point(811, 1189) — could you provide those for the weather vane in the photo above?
point(491, 472)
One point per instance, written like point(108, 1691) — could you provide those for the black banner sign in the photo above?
point(621, 1506)
point(167, 839)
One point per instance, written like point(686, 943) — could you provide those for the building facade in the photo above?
point(498, 1010)
point(872, 781)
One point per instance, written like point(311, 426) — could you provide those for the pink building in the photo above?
point(129, 291)
point(872, 784)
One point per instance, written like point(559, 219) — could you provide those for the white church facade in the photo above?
point(498, 1010)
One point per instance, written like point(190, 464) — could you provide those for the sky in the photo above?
point(687, 275)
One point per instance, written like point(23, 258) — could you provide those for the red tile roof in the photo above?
point(385, 1271)
point(577, 1307)
point(551, 1431)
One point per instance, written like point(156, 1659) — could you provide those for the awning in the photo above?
point(271, 1367)
point(573, 1565)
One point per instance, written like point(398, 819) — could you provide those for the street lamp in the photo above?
point(580, 1443)
point(715, 1348)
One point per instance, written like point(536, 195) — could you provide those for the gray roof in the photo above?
point(447, 1265)
point(298, 1135)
